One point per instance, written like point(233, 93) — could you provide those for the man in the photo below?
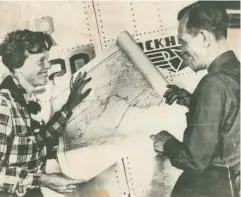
point(26, 142)
point(210, 152)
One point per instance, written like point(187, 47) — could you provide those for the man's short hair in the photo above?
point(206, 15)
point(15, 45)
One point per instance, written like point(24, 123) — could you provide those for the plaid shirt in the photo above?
point(23, 151)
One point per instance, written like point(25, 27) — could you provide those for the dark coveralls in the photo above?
point(210, 152)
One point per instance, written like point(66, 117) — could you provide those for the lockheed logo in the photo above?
point(165, 53)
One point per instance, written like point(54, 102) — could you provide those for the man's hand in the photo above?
point(59, 183)
point(76, 87)
point(160, 139)
point(181, 95)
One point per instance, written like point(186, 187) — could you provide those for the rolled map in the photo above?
point(140, 60)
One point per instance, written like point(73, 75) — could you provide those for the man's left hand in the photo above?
point(160, 139)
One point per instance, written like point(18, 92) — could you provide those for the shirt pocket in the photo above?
point(20, 121)
point(23, 148)
point(21, 126)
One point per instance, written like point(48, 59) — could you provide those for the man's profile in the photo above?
point(210, 152)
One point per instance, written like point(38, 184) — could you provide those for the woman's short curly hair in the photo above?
point(15, 45)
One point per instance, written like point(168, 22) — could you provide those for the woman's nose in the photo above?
point(47, 65)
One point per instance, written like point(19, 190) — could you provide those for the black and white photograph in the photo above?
point(120, 98)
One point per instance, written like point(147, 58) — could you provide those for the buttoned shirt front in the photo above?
point(23, 150)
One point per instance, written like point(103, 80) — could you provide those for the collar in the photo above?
point(20, 87)
point(23, 83)
point(220, 61)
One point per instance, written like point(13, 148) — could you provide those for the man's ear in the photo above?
point(17, 71)
point(206, 37)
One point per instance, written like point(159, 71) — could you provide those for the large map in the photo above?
point(121, 96)
point(114, 123)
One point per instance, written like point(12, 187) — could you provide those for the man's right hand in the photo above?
point(59, 183)
point(174, 93)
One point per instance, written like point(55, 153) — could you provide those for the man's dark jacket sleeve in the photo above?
point(204, 121)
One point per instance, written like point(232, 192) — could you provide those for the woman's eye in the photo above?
point(40, 62)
